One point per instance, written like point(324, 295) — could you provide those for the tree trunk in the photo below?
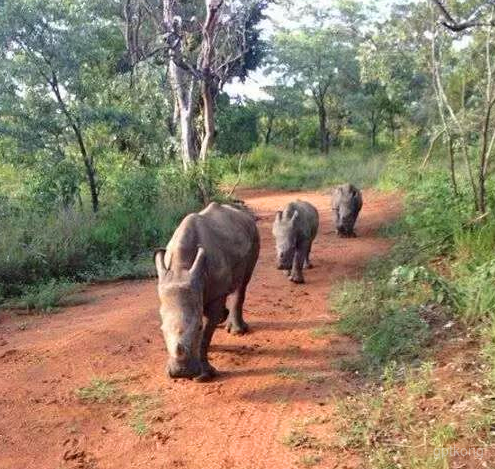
point(188, 149)
point(374, 130)
point(452, 166)
point(269, 128)
point(207, 49)
point(322, 116)
point(87, 159)
point(184, 88)
point(91, 175)
point(208, 117)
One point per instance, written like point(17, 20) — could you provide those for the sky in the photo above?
point(252, 88)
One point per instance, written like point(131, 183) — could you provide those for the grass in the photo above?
point(440, 271)
point(105, 391)
point(99, 390)
point(45, 297)
point(44, 246)
point(141, 405)
point(276, 168)
point(289, 373)
point(322, 331)
point(301, 439)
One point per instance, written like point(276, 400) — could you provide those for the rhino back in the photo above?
point(231, 241)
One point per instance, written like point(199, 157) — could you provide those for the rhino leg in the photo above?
point(235, 323)
point(307, 262)
point(214, 313)
point(296, 274)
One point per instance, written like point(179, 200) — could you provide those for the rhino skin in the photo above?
point(211, 255)
point(294, 230)
point(347, 202)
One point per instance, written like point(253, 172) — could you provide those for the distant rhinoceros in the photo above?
point(211, 255)
point(346, 205)
point(294, 230)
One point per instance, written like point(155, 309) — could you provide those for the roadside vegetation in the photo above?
point(425, 318)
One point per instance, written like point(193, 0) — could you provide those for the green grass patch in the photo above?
point(99, 390)
point(277, 168)
point(141, 407)
point(46, 297)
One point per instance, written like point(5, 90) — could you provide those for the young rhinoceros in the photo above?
point(294, 230)
point(211, 255)
point(346, 205)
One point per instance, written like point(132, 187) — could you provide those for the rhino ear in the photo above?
point(197, 268)
point(278, 216)
point(295, 216)
point(160, 263)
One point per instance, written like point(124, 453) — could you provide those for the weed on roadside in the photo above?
point(99, 390)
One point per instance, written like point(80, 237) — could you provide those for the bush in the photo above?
point(383, 315)
point(46, 296)
point(272, 167)
point(141, 211)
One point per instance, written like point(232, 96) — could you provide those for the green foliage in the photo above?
point(379, 314)
point(276, 168)
point(45, 296)
point(237, 126)
point(99, 390)
point(398, 335)
point(145, 207)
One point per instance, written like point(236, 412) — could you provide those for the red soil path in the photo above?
point(235, 422)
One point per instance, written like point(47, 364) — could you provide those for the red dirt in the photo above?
point(234, 422)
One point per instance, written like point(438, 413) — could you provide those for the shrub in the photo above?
point(46, 296)
point(141, 211)
point(272, 167)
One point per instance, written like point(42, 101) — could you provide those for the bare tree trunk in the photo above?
point(487, 141)
point(453, 180)
point(374, 130)
point(183, 86)
point(443, 101)
point(433, 142)
point(322, 116)
point(86, 157)
point(209, 120)
point(441, 112)
point(269, 128)
point(212, 8)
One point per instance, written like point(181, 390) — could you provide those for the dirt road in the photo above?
point(279, 373)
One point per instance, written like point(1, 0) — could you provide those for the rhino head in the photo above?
point(181, 310)
point(285, 233)
point(348, 209)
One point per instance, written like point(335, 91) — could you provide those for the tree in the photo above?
point(237, 124)
point(49, 51)
point(467, 112)
point(474, 16)
point(321, 61)
point(205, 44)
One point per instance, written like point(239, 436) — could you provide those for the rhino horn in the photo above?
point(294, 216)
point(196, 269)
point(160, 263)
